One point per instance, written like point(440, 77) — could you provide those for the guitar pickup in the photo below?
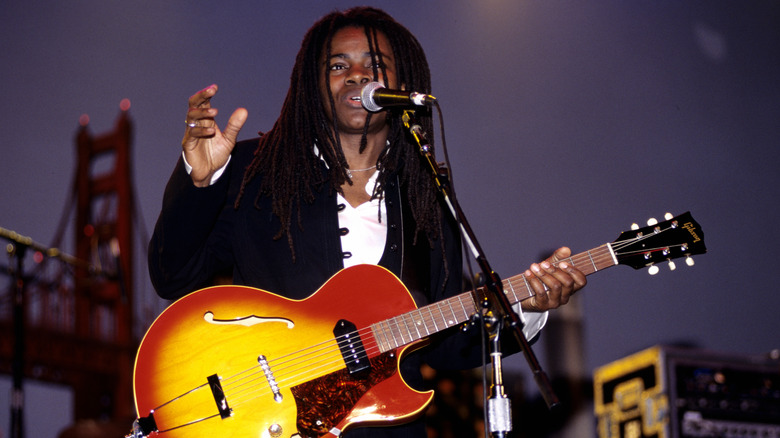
point(351, 347)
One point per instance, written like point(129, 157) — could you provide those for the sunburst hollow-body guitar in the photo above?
point(235, 361)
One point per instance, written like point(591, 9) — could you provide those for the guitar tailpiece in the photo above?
point(142, 427)
point(136, 431)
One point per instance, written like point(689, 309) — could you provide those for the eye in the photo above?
point(378, 64)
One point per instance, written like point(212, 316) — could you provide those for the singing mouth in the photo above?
point(354, 102)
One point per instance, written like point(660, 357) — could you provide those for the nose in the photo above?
point(359, 74)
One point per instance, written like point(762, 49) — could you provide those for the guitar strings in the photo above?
point(325, 357)
point(243, 385)
point(289, 368)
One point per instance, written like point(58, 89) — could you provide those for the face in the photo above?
point(348, 69)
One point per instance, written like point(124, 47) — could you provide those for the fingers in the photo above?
point(553, 281)
point(202, 99)
point(560, 254)
point(550, 283)
point(200, 115)
point(200, 122)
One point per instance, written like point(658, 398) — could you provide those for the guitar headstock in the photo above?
point(676, 237)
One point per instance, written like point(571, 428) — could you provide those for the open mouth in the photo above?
point(354, 101)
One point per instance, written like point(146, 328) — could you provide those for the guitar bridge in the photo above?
point(351, 347)
point(269, 376)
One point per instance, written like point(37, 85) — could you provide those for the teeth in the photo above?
point(356, 98)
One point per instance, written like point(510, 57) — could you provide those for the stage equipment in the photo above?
point(673, 392)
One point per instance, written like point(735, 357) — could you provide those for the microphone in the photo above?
point(375, 96)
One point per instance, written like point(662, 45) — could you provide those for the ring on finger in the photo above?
point(192, 124)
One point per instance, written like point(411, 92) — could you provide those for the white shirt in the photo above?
point(366, 235)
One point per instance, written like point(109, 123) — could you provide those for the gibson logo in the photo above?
point(691, 229)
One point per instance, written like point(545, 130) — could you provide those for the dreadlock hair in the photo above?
point(285, 158)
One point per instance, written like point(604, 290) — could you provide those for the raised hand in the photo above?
point(206, 147)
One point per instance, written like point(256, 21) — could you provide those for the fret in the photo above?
point(388, 329)
point(379, 337)
point(421, 321)
point(442, 312)
point(403, 329)
point(396, 332)
point(452, 313)
point(415, 323)
point(442, 315)
point(437, 316)
point(406, 326)
point(593, 262)
point(446, 318)
point(514, 294)
point(528, 287)
point(466, 314)
point(472, 306)
point(433, 319)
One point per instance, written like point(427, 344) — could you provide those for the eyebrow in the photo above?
point(378, 53)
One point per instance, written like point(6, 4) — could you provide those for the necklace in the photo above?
point(349, 171)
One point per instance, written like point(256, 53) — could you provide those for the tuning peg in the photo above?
point(672, 265)
point(689, 261)
point(652, 270)
point(652, 221)
point(634, 226)
point(668, 216)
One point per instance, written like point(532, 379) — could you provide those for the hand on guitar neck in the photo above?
point(553, 282)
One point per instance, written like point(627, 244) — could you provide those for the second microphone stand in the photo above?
point(495, 302)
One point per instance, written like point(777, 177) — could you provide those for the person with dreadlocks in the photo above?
point(331, 185)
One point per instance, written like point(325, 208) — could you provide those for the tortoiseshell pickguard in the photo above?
point(323, 402)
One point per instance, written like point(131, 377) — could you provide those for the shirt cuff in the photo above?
point(533, 322)
point(214, 177)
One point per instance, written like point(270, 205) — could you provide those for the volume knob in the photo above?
point(275, 430)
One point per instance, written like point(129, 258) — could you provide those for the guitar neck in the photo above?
point(518, 289)
point(420, 323)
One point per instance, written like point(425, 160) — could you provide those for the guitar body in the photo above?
point(198, 371)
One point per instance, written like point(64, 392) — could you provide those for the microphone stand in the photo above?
point(17, 368)
point(17, 248)
point(495, 301)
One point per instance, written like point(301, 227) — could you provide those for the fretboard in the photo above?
point(420, 323)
